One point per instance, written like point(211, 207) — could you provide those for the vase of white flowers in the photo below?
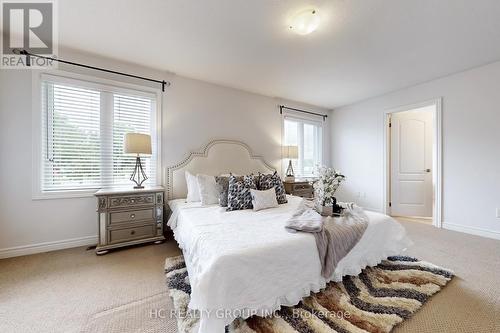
point(325, 187)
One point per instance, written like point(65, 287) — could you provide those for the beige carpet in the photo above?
point(124, 291)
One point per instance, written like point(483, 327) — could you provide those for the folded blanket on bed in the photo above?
point(305, 218)
point(335, 237)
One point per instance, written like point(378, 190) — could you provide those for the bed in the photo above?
point(244, 263)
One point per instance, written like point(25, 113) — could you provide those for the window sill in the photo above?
point(63, 194)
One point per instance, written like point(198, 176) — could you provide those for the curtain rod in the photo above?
point(28, 63)
point(303, 111)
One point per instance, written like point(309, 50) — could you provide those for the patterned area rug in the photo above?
point(374, 301)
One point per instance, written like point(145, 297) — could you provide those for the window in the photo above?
point(308, 136)
point(83, 126)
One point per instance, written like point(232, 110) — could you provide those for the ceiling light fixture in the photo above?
point(305, 21)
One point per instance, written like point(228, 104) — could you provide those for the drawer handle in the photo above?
point(132, 200)
point(132, 216)
point(132, 232)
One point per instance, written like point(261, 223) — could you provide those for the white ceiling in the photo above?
point(361, 49)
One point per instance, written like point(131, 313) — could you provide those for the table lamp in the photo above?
point(136, 143)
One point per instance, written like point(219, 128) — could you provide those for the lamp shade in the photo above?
point(290, 151)
point(136, 143)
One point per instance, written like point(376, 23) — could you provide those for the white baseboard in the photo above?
point(472, 230)
point(46, 247)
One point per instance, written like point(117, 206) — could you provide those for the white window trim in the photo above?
point(37, 193)
point(305, 118)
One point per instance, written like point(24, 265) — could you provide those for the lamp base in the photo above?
point(138, 176)
point(289, 170)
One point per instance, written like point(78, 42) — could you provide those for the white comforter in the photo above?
point(246, 260)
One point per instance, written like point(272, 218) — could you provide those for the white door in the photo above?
point(411, 162)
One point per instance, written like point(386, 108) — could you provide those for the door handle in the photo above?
point(427, 170)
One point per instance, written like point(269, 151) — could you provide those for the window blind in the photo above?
point(83, 131)
point(130, 114)
point(308, 136)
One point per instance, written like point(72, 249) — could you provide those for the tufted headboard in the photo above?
point(217, 157)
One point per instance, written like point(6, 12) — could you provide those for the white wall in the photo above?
point(471, 143)
point(197, 112)
point(193, 113)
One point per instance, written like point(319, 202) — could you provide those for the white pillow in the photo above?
point(193, 194)
point(263, 199)
point(209, 190)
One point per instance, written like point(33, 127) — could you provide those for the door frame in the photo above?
point(437, 175)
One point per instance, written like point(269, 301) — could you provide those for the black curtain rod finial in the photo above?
point(25, 53)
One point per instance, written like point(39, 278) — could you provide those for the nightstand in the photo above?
point(300, 188)
point(129, 216)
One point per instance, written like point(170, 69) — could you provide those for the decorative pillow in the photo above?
point(238, 196)
point(223, 184)
point(263, 199)
point(273, 180)
point(193, 194)
point(209, 191)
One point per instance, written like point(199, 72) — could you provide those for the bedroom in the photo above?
point(230, 65)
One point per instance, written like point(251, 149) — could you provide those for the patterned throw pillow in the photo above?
point(273, 180)
point(238, 195)
point(223, 183)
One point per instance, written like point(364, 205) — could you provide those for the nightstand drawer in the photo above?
point(299, 187)
point(306, 193)
point(132, 200)
point(128, 234)
point(132, 216)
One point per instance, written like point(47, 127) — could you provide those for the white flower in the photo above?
point(327, 184)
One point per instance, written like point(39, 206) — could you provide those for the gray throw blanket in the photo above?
point(335, 237)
